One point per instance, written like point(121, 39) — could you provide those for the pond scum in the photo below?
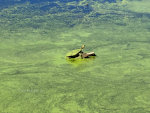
point(35, 76)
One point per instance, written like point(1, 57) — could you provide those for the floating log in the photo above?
point(86, 55)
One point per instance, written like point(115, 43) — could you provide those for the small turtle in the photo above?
point(75, 53)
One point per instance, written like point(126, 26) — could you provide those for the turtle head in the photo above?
point(82, 46)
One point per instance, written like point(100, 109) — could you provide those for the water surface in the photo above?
point(35, 76)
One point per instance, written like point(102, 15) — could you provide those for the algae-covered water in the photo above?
point(35, 76)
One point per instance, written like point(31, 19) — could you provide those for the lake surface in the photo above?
point(36, 77)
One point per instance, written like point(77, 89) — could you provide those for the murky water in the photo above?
point(35, 76)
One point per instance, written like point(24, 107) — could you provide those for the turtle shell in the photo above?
point(74, 53)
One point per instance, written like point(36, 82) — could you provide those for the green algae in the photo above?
point(35, 76)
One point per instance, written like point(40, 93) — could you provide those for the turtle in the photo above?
point(75, 53)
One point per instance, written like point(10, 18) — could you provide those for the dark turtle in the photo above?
point(75, 53)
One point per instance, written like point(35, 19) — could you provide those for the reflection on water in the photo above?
point(35, 75)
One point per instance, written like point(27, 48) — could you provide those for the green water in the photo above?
point(35, 76)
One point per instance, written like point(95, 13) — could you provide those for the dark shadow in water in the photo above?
point(51, 5)
point(139, 15)
point(6, 3)
point(121, 24)
point(65, 1)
